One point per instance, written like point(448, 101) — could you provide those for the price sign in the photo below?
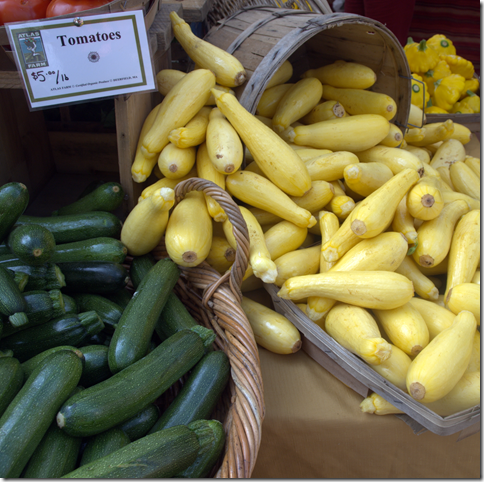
point(78, 59)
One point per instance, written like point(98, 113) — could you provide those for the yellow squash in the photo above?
point(298, 101)
point(376, 404)
point(193, 134)
point(270, 99)
point(227, 69)
point(342, 241)
point(465, 296)
point(188, 235)
point(435, 132)
point(224, 146)
point(423, 285)
point(435, 236)
point(436, 317)
point(281, 75)
point(330, 166)
point(279, 162)
point(326, 110)
point(357, 331)
point(146, 223)
point(375, 213)
point(405, 327)
point(259, 192)
point(221, 255)
point(165, 182)
point(368, 289)
point(420, 152)
point(271, 330)
point(441, 364)
point(353, 133)
point(447, 153)
point(394, 137)
point(465, 180)
point(403, 222)
point(178, 107)
point(176, 162)
point(475, 164)
point(360, 101)
point(366, 177)
point(424, 199)
point(394, 369)
point(349, 75)
point(302, 261)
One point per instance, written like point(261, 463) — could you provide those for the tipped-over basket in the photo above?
point(215, 302)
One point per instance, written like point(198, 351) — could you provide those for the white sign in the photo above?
point(82, 58)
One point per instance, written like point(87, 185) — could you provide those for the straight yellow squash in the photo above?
point(436, 317)
point(465, 296)
point(424, 286)
point(270, 99)
point(366, 177)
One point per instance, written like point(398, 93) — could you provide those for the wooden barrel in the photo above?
point(262, 38)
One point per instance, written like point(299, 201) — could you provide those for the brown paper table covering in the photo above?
point(314, 427)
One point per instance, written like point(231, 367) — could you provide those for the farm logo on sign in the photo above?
point(32, 49)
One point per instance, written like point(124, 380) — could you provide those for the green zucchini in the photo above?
point(71, 329)
point(77, 227)
point(14, 199)
point(103, 444)
point(55, 456)
point(91, 187)
point(70, 305)
point(108, 310)
point(32, 243)
point(106, 197)
point(131, 339)
point(121, 297)
point(211, 437)
point(30, 413)
point(140, 265)
point(45, 277)
point(4, 249)
point(29, 365)
point(41, 306)
point(97, 277)
point(139, 425)
point(174, 317)
point(199, 394)
point(11, 299)
point(160, 455)
point(96, 368)
point(11, 380)
point(101, 338)
point(95, 249)
point(124, 394)
point(21, 279)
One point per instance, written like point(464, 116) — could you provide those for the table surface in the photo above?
point(314, 428)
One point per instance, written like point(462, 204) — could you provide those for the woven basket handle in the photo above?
point(237, 272)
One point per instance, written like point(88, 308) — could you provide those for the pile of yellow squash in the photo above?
point(443, 82)
point(372, 231)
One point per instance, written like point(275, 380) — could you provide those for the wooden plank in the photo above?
point(161, 27)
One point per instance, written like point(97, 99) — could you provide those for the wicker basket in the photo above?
point(214, 301)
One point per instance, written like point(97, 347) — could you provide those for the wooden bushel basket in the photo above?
point(215, 302)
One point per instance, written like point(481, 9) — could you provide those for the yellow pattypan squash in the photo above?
point(472, 85)
point(447, 91)
point(442, 44)
point(420, 94)
point(440, 71)
point(460, 108)
point(473, 101)
point(420, 56)
point(459, 65)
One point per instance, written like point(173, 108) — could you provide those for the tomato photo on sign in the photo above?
point(20, 10)
point(63, 7)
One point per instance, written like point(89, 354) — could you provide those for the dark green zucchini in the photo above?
point(4, 249)
point(32, 243)
point(14, 199)
point(21, 279)
point(199, 394)
point(55, 456)
point(103, 444)
point(41, 306)
point(101, 338)
point(121, 297)
point(160, 455)
point(174, 317)
point(131, 339)
point(123, 395)
point(29, 365)
point(97, 277)
point(71, 329)
point(140, 265)
point(77, 227)
point(11, 380)
point(96, 368)
point(45, 277)
point(139, 425)
point(108, 310)
point(30, 413)
point(211, 437)
point(106, 197)
point(11, 299)
point(70, 305)
point(105, 249)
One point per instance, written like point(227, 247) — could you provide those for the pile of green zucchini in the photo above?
point(84, 361)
